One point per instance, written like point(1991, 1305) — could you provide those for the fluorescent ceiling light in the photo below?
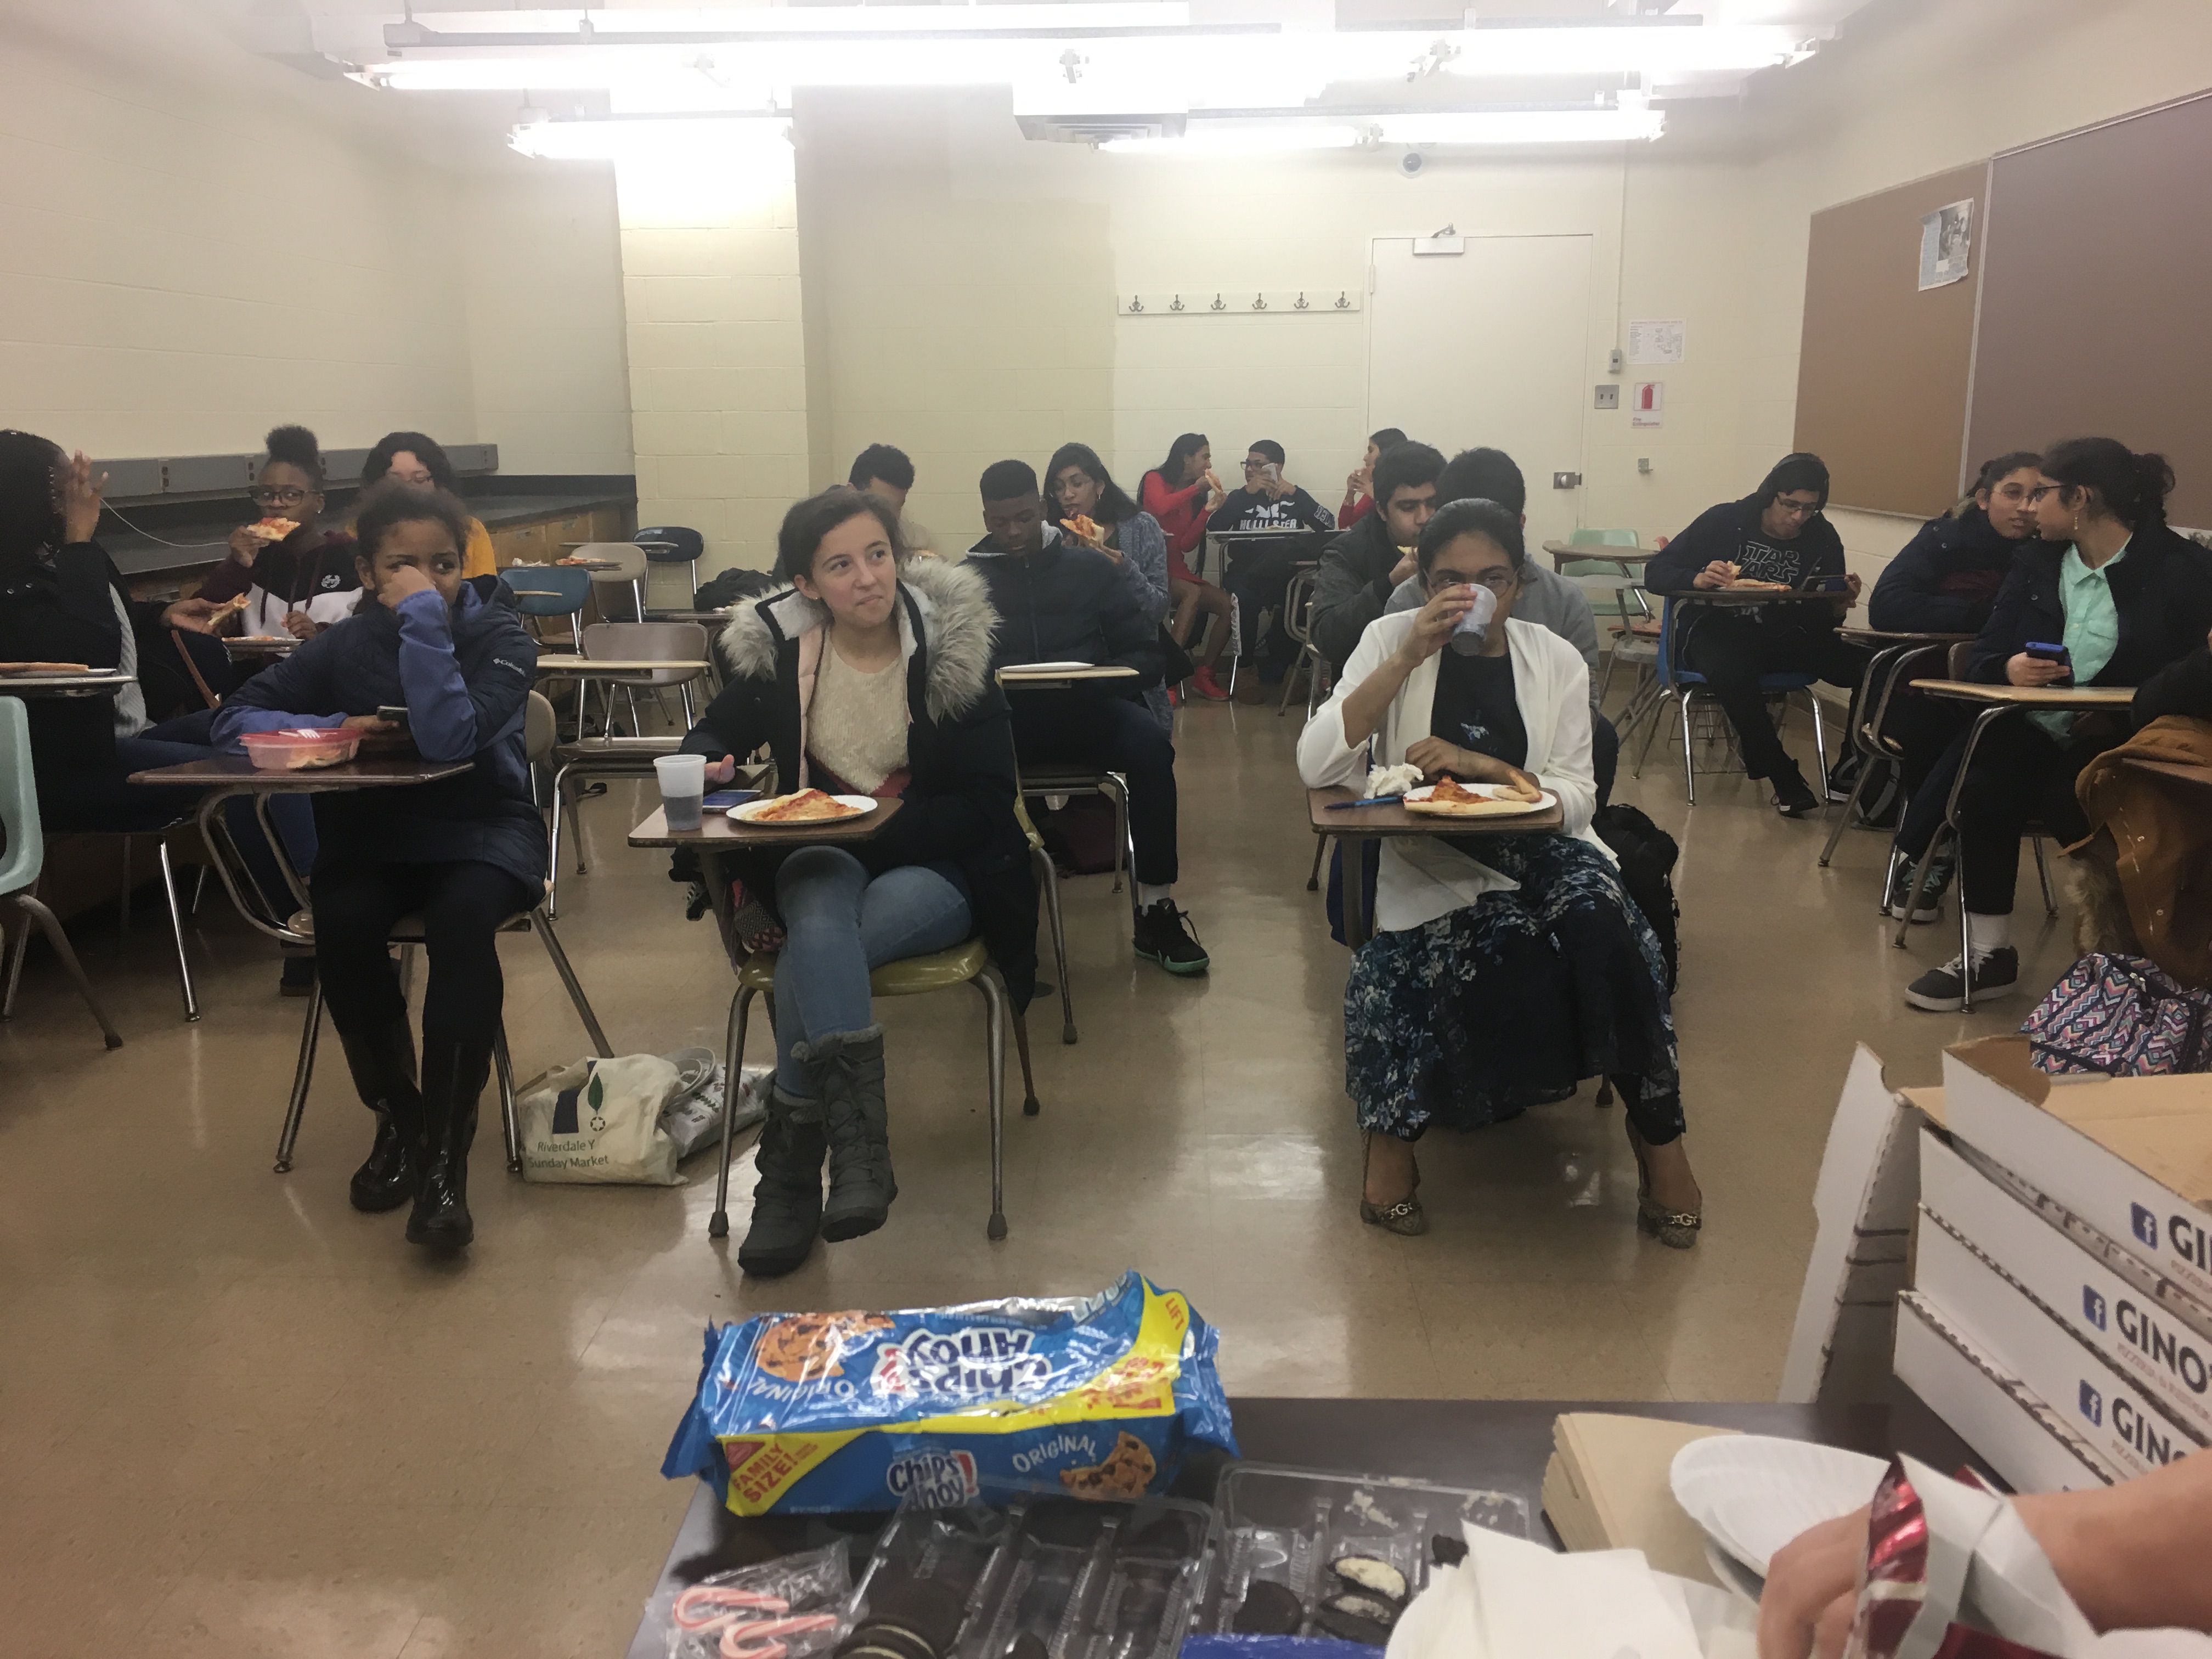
point(1628, 49)
point(1523, 127)
point(1243, 138)
point(652, 139)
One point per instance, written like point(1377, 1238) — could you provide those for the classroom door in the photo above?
point(1489, 346)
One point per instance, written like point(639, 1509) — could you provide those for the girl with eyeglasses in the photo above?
point(298, 583)
point(2110, 595)
point(1507, 966)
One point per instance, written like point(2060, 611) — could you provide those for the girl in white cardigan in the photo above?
point(1506, 967)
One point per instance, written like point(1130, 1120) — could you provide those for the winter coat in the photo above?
point(464, 673)
point(1066, 602)
point(958, 805)
point(2161, 589)
point(1945, 580)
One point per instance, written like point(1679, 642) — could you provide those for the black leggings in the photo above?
point(1733, 651)
point(2019, 776)
point(462, 905)
point(1112, 734)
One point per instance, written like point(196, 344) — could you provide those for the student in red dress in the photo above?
point(1181, 493)
point(1360, 485)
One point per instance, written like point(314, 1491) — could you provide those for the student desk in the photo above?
point(1354, 827)
point(1492, 1445)
point(1563, 551)
point(71, 682)
point(1862, 729)
point(263, 647)
point(1994, 702)
point(1018, 677)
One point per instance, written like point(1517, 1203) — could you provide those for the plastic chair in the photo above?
point(1685, 686)
point(297, 935)
point(551, 590)
point(963, 964)
point(629, 570)
point(25, 856)
point(672, 544)
point(1298, 623)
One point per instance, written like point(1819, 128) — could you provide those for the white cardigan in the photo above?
point(1422, 878)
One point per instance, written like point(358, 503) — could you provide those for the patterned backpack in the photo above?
point(2124, 1016)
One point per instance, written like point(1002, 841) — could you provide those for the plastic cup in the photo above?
point(683, 781)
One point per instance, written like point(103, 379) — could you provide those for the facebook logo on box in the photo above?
point(2092, 1405)
point(2092, 1307)
point(2144, 1224)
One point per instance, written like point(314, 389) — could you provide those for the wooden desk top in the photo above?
point(1886, 636)
point(1018, 675)
point(236, 772)
point(584, 668)
point(721, 833)
point(81, 682)
point(2030, 697)
point(1393, 819)
point(2199, 775)
point(1741, 596)
point(1562, 552)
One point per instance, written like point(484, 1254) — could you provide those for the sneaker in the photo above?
point(1206, 686)
point(1163, 936)
point(1900, 887)
point(1943, 990)
point(1791, 797)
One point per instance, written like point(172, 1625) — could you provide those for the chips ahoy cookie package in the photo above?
point(823, 1411)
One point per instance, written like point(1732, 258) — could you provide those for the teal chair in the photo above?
point(26, 855)
point(1616, 599)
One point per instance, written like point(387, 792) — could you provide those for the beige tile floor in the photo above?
point(238, 1419)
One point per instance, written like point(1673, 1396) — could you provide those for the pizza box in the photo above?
point(2009, 1428)
point(1972, 1296)
point(2141, 1335)
point(2132, 1157)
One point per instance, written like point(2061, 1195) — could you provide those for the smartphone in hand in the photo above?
point(395, 712)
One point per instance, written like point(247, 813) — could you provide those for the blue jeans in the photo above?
point(837, 925)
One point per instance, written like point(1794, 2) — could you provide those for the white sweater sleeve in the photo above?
point(1565, 769)
point(1324, 758)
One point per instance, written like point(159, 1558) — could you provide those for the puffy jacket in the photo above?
point(958, 805)
point(1068, 604)
point(1945, 580)
point(2161, 589)
point(465, 674)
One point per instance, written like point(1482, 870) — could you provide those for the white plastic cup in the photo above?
point(682, 785)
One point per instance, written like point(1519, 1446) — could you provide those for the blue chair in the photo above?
point(551, 590)
point(672, 544)
point(25, 856)
point(1684, 686)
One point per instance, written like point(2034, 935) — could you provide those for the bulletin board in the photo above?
point(1884, 368)
point(2093, 309)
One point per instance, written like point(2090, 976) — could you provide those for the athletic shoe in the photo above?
point(1943, 990)
point(1203, 683)
point(1791, 797)
point(1899, 886)
point(1163, 936)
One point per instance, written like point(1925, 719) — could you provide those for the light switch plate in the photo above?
point(1644, 465)
point(1566, 480)
point(1608, 397)
point(1615, 361)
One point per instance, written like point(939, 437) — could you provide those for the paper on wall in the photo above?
point(1947, 237)
point(1656, 340)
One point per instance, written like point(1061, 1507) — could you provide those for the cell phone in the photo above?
point(1272, 473)
point(2042, 651)
point(396, 713)
point(729, 797)
point(1827, 585)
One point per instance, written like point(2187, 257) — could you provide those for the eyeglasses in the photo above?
point(275, 496)
point(1797, 509)
point(1256, 466)
point(1497, 581)
point(2041, 490)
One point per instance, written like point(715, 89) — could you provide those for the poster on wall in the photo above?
point(1656, 341)
point(1947, 236)
point(1648, 405)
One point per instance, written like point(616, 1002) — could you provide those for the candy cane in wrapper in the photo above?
point(726, 1597)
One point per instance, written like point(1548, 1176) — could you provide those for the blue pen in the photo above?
point(1372, 800)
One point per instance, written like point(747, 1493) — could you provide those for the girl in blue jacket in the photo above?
point(466, 853)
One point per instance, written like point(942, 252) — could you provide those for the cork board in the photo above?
point(1884, 369)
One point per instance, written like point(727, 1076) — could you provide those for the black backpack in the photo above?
point(1880, 801)
point(1647, 855)
point(728, 587)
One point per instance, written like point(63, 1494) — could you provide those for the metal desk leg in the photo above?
point(995, 1001)
point(177, 929)
point(718, 1224)
point(302, 1074)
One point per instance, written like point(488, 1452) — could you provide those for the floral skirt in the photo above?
point(1510, 1002)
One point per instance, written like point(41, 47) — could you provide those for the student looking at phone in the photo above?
point(2111, 595)
point(1260, 572)
point(1775, 534)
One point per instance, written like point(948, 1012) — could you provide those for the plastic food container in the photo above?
point(300, 749)
point(1072, 1578)
point(1287, 1525)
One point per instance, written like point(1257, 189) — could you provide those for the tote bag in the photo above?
point(2124, 1016)
point(600, 1120)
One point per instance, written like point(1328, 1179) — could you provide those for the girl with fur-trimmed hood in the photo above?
point(866, 676)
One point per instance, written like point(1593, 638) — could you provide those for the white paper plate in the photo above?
point(1736, 1578)
point(752, 809)
point(1753, 1493)
point(1490, 790)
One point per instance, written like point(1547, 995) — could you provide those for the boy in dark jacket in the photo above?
point(1059, 602)
point(1259, 570)
point(1775, 534)
point(1362, 568)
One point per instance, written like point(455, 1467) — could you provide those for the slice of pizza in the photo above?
point(1452, 790)
point(806, 806)
point(1083, 527)
point(271, 529)
point(225, 609)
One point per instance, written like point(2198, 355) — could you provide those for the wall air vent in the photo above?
point(1099, 129)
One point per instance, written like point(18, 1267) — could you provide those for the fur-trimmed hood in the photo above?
point(948, 604)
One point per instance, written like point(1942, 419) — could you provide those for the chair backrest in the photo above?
point(1961, 654)
point(671, 543)
point(1925, 663)
point(1608, 584)
point(651, 641)
point(26, 853)
point(1298, 606)
point(1669, 671)
point(1603, 539)
point(540, 728)
point(548, 590)
point(626, 557)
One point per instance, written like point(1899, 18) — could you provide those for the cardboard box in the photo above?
point(2009, 1428)
point(2132, 1157)
point(2101, 1406)
point(2132, 1330)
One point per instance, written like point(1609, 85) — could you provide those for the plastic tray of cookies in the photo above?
point(1046, 1577)
point(1300, 1551)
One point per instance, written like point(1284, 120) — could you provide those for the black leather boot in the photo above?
point(454, 1075)
point(850, 1067)
point(382, 1062)
point(788, 1197)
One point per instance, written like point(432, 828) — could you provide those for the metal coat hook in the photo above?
point(1301, 305)
point(1217, 304)
point(1175, 304)
point(1343, 300)
point(1259, 302)
point(1138, 303)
